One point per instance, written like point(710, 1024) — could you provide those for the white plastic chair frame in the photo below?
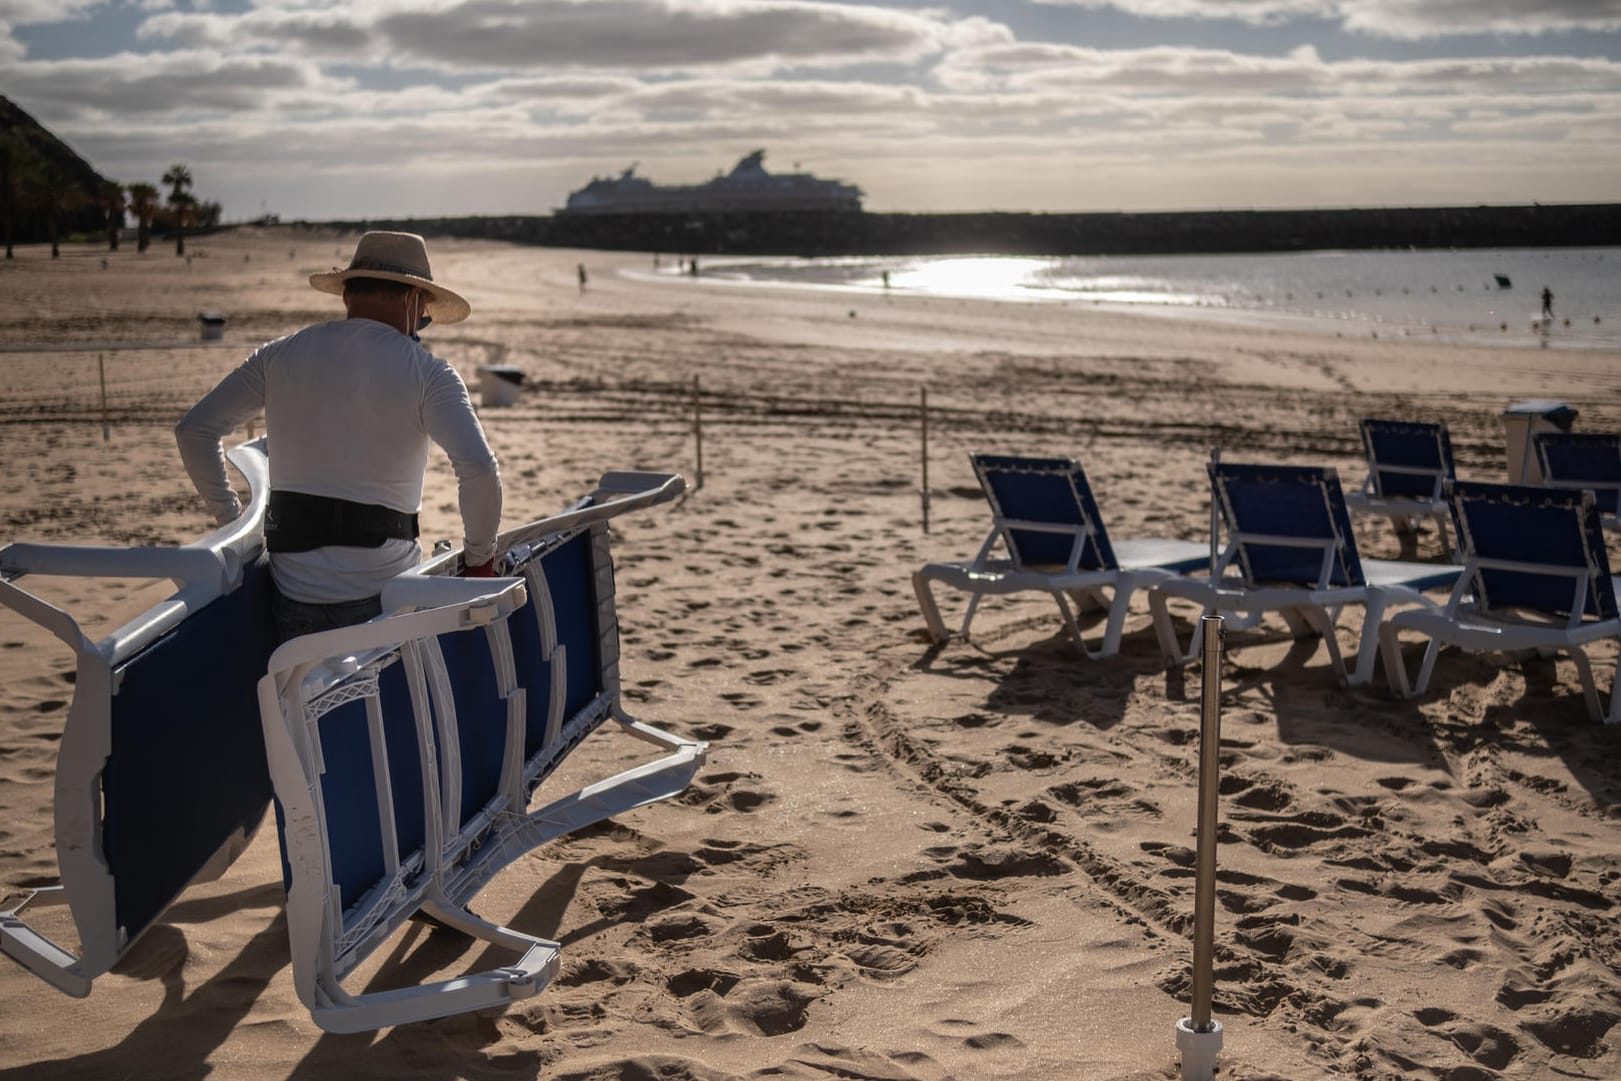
point(460, 856)
point(1404, 512)
point(1140, 565)
point(1549, 463)
point(1305, 610)
point(308, 677)
point(203, 572)
point(1463, 622)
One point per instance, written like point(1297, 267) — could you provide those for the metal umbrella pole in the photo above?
point(1198, 1036)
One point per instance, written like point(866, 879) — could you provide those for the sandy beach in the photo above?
point(901, 861)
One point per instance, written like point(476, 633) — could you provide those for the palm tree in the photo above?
point(179, 179)
point(55, 192)
point(143, 203)
point(113, 205)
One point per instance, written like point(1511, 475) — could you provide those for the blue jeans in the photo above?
point(293, 618)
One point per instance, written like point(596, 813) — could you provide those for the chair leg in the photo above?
point(1367, 647)
point(1069, 622)
point(930, 609)
point(1300, 626)
point(1115, 629)
point(1584, 669)
point(1395, 667)
point(1322, 624)
point(968, 616)
point(1165, 630)
point(1114, 626)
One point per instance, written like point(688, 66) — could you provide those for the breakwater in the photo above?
point(813, 233)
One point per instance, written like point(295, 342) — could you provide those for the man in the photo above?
point(350, 407)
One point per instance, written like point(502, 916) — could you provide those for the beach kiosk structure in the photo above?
point(1522, 421)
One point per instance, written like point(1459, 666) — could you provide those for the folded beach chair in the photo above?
point(1290, 550)
point(160, 776)
point(1046, 521)
point(405, 753)
point(1590, 460)
point(1536, 578)
point(1408, 462)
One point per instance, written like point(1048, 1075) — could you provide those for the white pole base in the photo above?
point(1199, 1049)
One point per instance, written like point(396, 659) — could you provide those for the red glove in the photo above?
point(479, 570)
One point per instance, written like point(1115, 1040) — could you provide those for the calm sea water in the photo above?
point(1446, 295)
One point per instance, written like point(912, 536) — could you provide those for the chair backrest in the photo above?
point(1583, 460)
point(1407, 459)
point(373, 806)
point(571, 589)
point(1045, 511)
point(405, 752)
point(526, 690)
point(1533, 548)
point(160, 774)
point(185, 771)
point(1286, 524)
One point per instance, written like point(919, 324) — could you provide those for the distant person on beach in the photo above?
point(580, 270)
point(1547, 303)
point(350, 408)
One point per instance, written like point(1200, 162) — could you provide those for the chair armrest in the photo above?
point(418, 591)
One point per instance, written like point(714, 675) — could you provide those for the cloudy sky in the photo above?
point(315, 109)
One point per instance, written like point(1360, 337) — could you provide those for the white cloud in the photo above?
point(1259, 12)
point(168, 84)
point(520, 35)
point(1410, 19)
point(1443, 18)
point(29, 12)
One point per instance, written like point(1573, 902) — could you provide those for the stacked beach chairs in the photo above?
point(408, 757)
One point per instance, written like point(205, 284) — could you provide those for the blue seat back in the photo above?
point(186, 768)
point(355, 826)
point(481, 717)
point(566, 569)
point(566, 597)
point(1396, 447)
point(1051, 490)
point(1570, 458)
point(1556, 529)
point(1302, 503)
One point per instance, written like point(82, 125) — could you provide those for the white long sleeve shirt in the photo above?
point(350, 407)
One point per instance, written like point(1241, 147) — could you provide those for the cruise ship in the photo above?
point(748, 187)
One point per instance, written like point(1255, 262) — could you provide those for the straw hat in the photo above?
point(396, 257)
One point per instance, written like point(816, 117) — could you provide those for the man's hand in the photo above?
point(479, 570)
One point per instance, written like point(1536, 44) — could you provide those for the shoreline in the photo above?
point(754, 272)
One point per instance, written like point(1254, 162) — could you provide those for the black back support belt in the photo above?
point(300, 522)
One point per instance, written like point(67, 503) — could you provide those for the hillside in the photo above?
point(39, 156)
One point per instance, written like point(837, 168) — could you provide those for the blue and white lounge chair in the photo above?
point(160, 776)
point(1046, 520)
point(1536, 578)
point(1290, 550)
point(1590, 460)
point(1408, 462)
point(405, 753)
